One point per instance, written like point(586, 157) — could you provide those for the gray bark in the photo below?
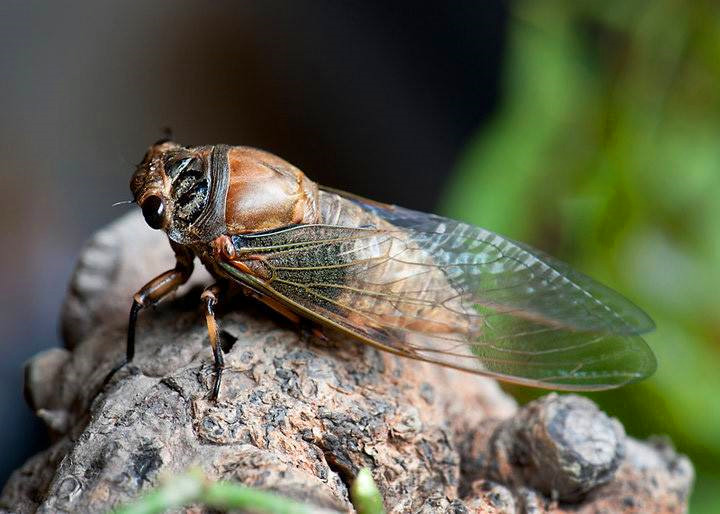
point(299, 416)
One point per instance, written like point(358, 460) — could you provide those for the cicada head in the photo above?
point(172, 187)
point(198, 193)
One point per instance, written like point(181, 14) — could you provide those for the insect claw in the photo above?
point(112, 372)
point(214, 392)
point(132, 370)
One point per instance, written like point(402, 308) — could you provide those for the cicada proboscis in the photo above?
point(410, 283)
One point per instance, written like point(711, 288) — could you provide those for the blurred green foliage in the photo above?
point(193, 488)
point(606, 153)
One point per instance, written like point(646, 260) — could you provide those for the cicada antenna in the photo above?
point(123, 202)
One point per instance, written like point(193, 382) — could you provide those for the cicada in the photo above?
point(413, 284)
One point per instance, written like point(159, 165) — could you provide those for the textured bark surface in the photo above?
point(300, 416)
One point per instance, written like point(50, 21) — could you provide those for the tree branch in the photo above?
point(300, 417)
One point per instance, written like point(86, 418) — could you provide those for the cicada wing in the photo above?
point(442, 291)
point(490, 268)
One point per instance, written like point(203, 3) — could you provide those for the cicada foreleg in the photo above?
point(151, 293)
point(209, 298)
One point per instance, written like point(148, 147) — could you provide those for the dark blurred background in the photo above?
point(589, 129)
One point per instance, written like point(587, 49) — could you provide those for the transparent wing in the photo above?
point(439, 290)
point(494, 269)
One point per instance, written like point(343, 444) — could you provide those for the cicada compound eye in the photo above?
point(153, 209)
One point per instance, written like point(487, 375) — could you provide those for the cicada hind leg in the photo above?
point(210, 298)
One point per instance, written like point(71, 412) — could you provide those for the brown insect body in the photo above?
point(414, 284)
point(209, 191)
point(240, 190)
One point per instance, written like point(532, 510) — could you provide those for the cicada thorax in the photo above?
point(266, 192)
point(224, 190)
